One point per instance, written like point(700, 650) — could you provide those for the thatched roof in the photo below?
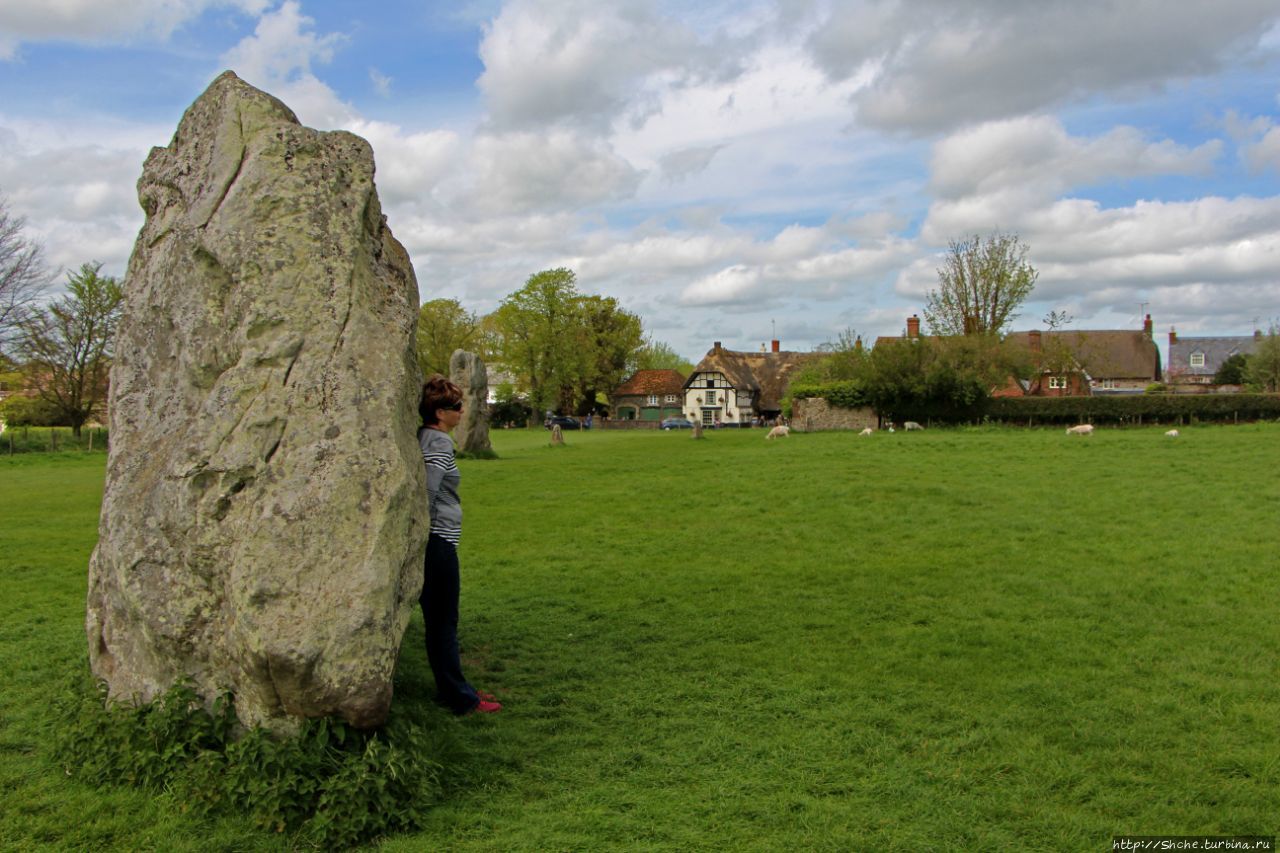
point(767, 374)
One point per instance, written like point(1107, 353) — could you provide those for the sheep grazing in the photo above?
point(1082, 429)
point(778, 432)
point(1173, 433)
point(867, 431)
point(910, 425)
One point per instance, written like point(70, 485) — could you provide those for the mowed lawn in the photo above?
point(956, 639)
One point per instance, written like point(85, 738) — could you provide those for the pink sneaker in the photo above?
point(484, 706)
point(485, 694)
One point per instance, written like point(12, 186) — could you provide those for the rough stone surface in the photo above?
point(811, 414)
point(264, 522)
point(467, 371)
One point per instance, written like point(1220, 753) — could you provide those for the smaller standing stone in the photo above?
point(467, 371)
point(697, 429)
point(557, 437)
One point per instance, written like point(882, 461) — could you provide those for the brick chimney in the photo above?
point(1146, 327)
point(857, 345)
point(717, 346)
point(1173, 336)
point(1033, 340)
point(777, 345)
point(913, 326)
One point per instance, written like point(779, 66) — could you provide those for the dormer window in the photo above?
point(653, 399)
point(1197, 359)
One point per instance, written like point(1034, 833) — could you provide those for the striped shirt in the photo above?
point(443, 478)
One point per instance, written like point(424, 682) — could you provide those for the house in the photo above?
point(648, 395)
point(1076, 363)
point(1194, 361)
point(1084, 362)
point(730, 387)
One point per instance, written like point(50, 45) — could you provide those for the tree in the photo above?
point(536, 337)
point(23, 276)
point(981, 284)
point(656, 355)
point(608, 339)
point(444, 326)
point(66, 346)
point(1264, 363)
point(1232, 371)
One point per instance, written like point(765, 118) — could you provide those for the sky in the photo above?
point(730, 171)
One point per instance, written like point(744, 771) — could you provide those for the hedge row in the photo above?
point(1104, 409)
point(1135, 409)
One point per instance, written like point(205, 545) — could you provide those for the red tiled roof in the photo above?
point(645, 382)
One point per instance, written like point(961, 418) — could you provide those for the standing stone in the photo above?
point(264, 523)
point(467, 371)
point(557, 435)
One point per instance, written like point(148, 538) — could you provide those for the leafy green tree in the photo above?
point(845, 359)
point(656, 355)
point(67, 345)
point(1264, 363)
point(982, 282)
point(1233, 370)
point(608, 339)
point(23, 276)
point(536, 336)
point(947, 378)
point(444, 326)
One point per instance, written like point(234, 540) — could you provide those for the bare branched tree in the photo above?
point(981, 284)
point(23, 275)
point(66, 346)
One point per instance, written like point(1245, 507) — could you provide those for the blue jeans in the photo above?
point(441, 584)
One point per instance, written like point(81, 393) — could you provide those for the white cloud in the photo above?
point(278, 58)
point(1265, 153)
point(731, 285)
point(1035, 155)
point(941, 64)
point(678, 165)
point(381, 83)
point(411, 166)
point(98, 22)
point(526, 171)
point(580, 61)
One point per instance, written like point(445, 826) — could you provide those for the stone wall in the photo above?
point(811, 414)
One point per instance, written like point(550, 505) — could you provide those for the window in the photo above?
point(653, 399)
point(711, 383)
point(672, 398)
point(1057, 382)
point(1109, 383)
point(711, 398)
point(1197, 359)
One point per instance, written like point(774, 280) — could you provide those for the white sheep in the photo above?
point(910, 425)
point(867, 431)
point(1173, 433)
point(1082, 429)
point(778, 432)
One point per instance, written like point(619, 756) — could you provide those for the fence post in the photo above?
point(90, 441)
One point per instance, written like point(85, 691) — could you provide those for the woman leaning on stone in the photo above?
point(441, 409)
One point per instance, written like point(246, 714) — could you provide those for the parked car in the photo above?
point(562, 421)
point(677, 423)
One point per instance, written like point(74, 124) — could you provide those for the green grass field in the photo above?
point(969, 639)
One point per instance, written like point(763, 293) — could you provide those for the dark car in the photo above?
point(563, 421)
point(677, 423)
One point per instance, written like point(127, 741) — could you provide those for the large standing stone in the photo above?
point(467, 371)
point(264, 521)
